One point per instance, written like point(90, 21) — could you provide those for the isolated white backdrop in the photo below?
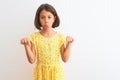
point(94, 24)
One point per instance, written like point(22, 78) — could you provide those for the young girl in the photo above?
point(46, 46)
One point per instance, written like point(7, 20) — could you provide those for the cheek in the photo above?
point(41, 21)
point(53, 21)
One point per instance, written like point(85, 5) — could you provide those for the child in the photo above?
point(46, 46)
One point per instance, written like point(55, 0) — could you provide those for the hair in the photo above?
point(50, 9)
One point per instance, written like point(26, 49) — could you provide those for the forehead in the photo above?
point(45, 12)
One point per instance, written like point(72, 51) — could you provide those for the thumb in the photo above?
point(28, 41)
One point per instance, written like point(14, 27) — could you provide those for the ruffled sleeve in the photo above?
point(32, 38)
point(62, 39)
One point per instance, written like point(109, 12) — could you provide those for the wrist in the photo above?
point(25, 45)
point(68, 44)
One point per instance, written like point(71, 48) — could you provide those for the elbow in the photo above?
point(65, 60)
point(31, 61)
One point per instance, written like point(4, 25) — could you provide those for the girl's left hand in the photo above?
point(69, 39)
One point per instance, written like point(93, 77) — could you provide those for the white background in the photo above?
point(94, 24)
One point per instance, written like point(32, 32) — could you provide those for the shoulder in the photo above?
point(61, 34)
point(34, 33)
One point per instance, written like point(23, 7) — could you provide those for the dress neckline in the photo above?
point(48, 37)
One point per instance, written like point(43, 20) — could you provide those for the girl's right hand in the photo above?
point(25, 41)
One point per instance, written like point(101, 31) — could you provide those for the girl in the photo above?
point(46, 46)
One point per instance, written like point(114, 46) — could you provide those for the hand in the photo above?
point(69, 39)
point(25, 41)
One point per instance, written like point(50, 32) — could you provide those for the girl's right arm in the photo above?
point(29, 49)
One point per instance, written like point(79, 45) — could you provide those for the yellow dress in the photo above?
point(48, 65)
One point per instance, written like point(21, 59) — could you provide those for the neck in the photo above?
point(48, 32)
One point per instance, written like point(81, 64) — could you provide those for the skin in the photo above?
point(46, 19)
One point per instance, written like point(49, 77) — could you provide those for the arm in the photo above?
point(29, 49)
point(65, 49)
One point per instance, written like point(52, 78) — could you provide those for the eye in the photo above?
point(49, 17)
point(42, 17)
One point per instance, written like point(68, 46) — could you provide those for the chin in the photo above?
point(47, 26)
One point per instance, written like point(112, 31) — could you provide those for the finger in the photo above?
point(71, 39)
point(27, 41)
point(22, 41)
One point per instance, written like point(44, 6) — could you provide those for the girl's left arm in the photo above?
point(65, 49)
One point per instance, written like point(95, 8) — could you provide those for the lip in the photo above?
point(46, 25)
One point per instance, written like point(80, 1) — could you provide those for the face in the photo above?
point(46, 19)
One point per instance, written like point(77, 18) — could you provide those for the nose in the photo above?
point(46, 20)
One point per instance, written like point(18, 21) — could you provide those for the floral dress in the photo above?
point(48, 65)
